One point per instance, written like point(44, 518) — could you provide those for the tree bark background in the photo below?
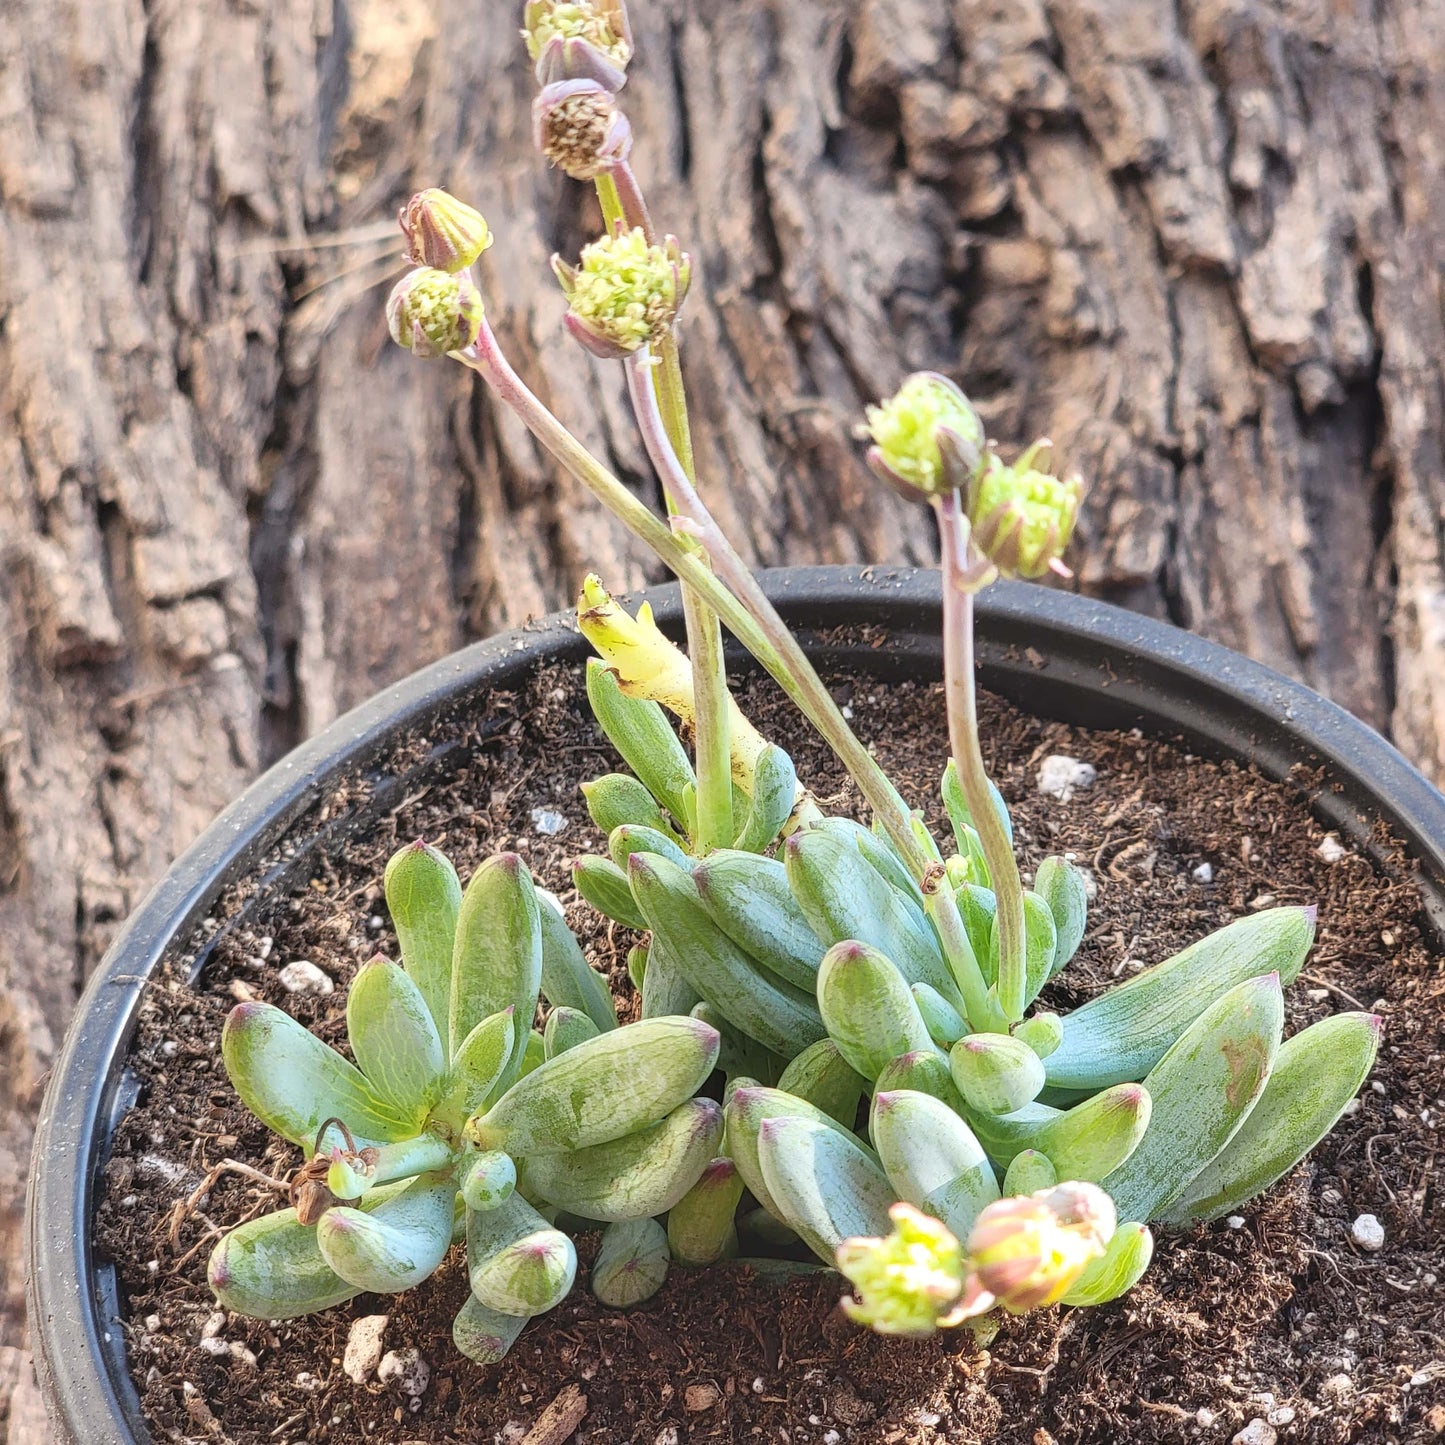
point(1199, 243)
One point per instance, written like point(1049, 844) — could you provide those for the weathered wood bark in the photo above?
point(1199, 244)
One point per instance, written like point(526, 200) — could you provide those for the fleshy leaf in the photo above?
point(700, 1228)
point(609, 1086)
point(822, 1076)
point(568, 980)
point(1061, 885)
point(932, 1158)
point(478, 1067)
point(518, 1263)
point(1117, 1270)
point(423, 896)
point(748, 897)
point(1202, 1091)
point(643, 737)
point(780, 1017)
point(293, 1083)
point(868, 1009)
point(395, 1245)
point(631, 1262)
point(485, 1335)
point(775, 790)
point(604, 885)
point(1123, 1033)
point(271, 1268)
point(634, 1177)
point(1315, 1076)
point(497, 962)
point(394, 1038)
point(825, 1186)
point(996, 1073)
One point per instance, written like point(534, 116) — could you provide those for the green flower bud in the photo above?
point(1022, 517)
point(432, 312)
point(625, 293)
point(442, 231)
point(908, 1283)
point(927, 437)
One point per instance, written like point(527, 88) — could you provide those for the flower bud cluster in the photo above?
point(624, 293)
point(578, 39)
point(578, 126)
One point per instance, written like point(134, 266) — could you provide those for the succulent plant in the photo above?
point(832, 961)
point(454, 1119)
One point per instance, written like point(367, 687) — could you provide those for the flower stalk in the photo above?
point(962, 703)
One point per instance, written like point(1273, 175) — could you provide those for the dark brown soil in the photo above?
point(1281, 1320)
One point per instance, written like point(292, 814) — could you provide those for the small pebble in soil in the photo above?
point(215, 1323)
point(1061, 777)
point(363, 1348)
point(666, 1436)
point(1204, 1417)
point(407, 1371)
point(1257, 1432)
point(1283, 1415)
point(1235, 1221)
point(303, 976)
point(701, 1397)
point(1368, 1233)
point(1331, 849)
point(548, 823)
point(1203, 873)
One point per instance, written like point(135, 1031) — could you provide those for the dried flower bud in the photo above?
point(578, 40)
point(1028, 1252)
point(432, 312)
point(908, 1283)
point(625, 293)
point(927, 437)
point(442, 231)
point(578, 127)
point(1022, 517)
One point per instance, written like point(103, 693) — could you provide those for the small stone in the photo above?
point(241, 1354)
point(700, 1397)
point(1263, 900)
point(303, 976)
point(1283, 1415)
point(1204, 1417)
point(153, 1324)
point(1257, 1432)
point(1368, 1233)
point(1317, 995)
point(363, 1348)
point(666, 1436)
point(215, 1323)
point(1061, 777)
point(1235, 1221)
point(1331, 1196)
point(307, 1382)
point(1337, 1387)
point(241, 991)
point(407, 1371)
point(212, 1345)
point(1331, 849)
point(548, 823)
point(1203, 873)
point(758, 1386)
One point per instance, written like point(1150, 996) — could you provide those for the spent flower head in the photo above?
point(442, 232)
point(927, 437)
point(1023, 516)
point(432, 312)
point(577, 125)
point(1028, 1252)
point(578, 39)
point(624, 293)
point(908, 1283)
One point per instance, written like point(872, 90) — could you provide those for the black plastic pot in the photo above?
point(1057, 655)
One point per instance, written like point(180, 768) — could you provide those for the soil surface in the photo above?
point(1277, 1323)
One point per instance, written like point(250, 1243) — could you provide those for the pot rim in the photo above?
point(1069, 656)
